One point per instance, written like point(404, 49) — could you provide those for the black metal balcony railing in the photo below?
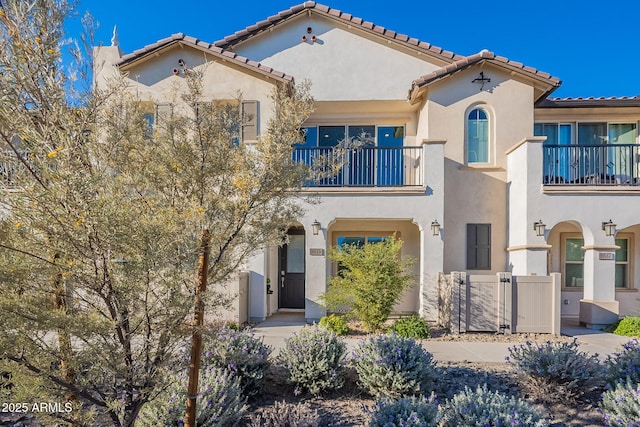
point(606, 164)
point(362, 166)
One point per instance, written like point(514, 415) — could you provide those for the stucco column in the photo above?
point(527, 250)
point(257, 287)
point(599, 306)
point(432, 247)
point(316, 268)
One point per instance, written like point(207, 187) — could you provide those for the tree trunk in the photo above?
point(196, 340)
point(64, 339)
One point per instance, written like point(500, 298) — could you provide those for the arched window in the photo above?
point(478, 136)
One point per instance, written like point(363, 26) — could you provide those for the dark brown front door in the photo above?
point(291, 292)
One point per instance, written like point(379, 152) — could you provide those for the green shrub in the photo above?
point(488, 408)
point(393, 366)
point(335, 324)
point(406, 412)
point(370, 281)
point(557, 370)
point(624, 364)
point(628, 327)
point(411, 327)
point(620, 406)
point(314, 358)
point(283, 414)
point(220, 402)
point(240, 352)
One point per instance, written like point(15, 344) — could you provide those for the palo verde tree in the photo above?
point(370, 281)
point(102, 219)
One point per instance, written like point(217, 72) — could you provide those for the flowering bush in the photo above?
point(314, 358)
point(620, 406)
point(393, 366)
point(220, 402)
point(625, 363)
point(406, 412)
point(287, 414)
point(335, 324)
point(240, 352)
point(411, 327)
point(486, 408)
point(557, 370)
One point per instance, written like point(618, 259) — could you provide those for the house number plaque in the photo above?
point(316, 251)
point(608, 256)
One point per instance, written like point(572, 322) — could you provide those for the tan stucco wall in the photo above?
point(153, 78)
point(344, 64)
point(476, 193)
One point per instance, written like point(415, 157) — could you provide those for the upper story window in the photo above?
point(478, 136)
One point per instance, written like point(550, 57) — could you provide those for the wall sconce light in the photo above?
point(609, 228)
point(539, 227)
point(315, 226)
point(435, 228)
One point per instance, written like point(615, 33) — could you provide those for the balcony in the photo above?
point(365, 167)
point(591, 165)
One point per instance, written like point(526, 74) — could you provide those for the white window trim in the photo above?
point(491, 136)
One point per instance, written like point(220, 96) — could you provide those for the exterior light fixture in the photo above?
point(539, 227)
point(609, 228)
point(315, 226)
point(435, 228)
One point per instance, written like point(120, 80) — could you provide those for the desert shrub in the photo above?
point(487, 408)
point(628, 327)
point(406, 412)
point(411, 327)
point(620, 405)
point(335, 324)
point(557, 370)
point(393, 366)
point(624, 363)
point(220, 402)
point(240, 352)
point(314, 358)
point(370, 282)
point(283, 414)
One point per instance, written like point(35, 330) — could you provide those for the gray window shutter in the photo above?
point(249, 120)
point(479, 246)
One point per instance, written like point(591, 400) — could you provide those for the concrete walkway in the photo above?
point(280, 326)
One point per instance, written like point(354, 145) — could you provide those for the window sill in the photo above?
point(481, 168)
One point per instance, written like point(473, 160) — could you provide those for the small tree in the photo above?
point(370, 281)
point(101, 218)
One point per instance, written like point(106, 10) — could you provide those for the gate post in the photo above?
point(459, 301)
point(505, 303)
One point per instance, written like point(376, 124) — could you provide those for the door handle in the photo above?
point(282, 281)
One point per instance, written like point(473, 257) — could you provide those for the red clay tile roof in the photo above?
point(579, 102)
point(259, 27)
point(209, 48)
point(483, 55)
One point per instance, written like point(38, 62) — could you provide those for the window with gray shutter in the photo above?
point(249, 120)
point(479, 246)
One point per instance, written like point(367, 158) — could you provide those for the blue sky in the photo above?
point(592, 46)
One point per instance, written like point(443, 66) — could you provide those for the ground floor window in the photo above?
point(573, 261)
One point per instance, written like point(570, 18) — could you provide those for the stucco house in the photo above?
point(469, 160)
